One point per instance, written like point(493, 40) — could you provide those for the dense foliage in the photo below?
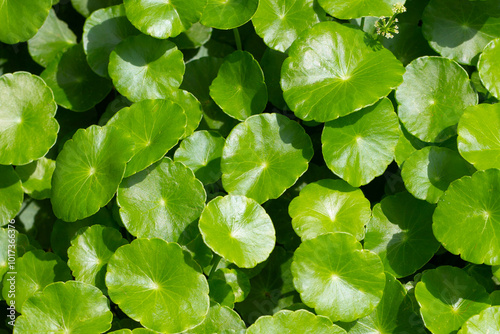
point(258, 166)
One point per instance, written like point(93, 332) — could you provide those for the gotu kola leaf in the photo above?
point(488, 321)
point(21, 19)
point(36, 177)
point(228, 14)
point(11, 194)
point(488, 67)
point(351, 9)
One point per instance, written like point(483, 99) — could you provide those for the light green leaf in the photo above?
point(488, 67)
point(28, 128)
point(191, 106)
point(228, 14)
point(264, 156)
point(460, 29)
point(90, 252)
point(21, 19)
point(238, 229)
point(72, 307)
point(448, 297)
point(194, 37)
point(158, 290)
point(36, 177)
point(478, 138)
point(11, 194)
point(53, 38)
point(467, 218)
point(334, 70)
point(337, 277)
point(488, 321)
point(161, 201)
point(220, 319)
point(102, 32)
point(87, 7)
point(239, 88)
point(400, 232)
point(428, 173)
point(433, 96)
point(358, 147)
point(22, 246)
point(155, 126)
point(143, 68)
point(279, 22)
point(329, 206)
point(76, 87)
point(202, 152)
point(88, 171)
point(349, 9)
point(163, 19)
point(407, 145)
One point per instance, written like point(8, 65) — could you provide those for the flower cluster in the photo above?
point(387, 27)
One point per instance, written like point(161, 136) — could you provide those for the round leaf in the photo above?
point(143, 68)
point(90, 252)
point(165, 293)
point(337, 277)
point(191, 106)
point(488, 321)
point(488, 67)
point(87, 7)
point(264, 156)
point(350, 9)
point(202, 152)
point(279, 23)
point(228, 14)
point(400, 232)
point(334, 69)
point(163, 19)
point(155, 126)
point(329, 206)
point(448, 297)
point(28, 128)
point(33, 272)
point(194, 37)
point(36, 177)
point(478, 139)
point(238, 229)
point(161, 201)
point(428, 173)
point(467, 218)
point(433, 96)
point(76, 87)
point(11, 194)
point(288, 322)
point(220, 319)
point(21, 19)
point(22, 246)
point(102, 32)
point(73, 307)
point(88, 171)
point(460, 29)
point(239, 87)
point(360, 146)
point(53, 38)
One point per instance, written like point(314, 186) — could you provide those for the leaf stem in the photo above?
point(216, 261)
point(362, 23)
point(237, 38)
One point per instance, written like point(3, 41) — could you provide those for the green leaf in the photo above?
point(460, 29)
point(478, 140)
point(11, 194)
point(165, 293)
point(488, 67)
point(239, 88)
point(359, 147)
point(329, 206)
point(334, 70)
point(228, 14)
point(155, 126)
point(279, 23)
point(194, 37)
point(236, 279)
point(87, 7)
point(350, 9)
point(400, 232)
point(191, 106)
point(433, 97)
point(271, 63)
point(22, 246)
point(76, 87)
point(288, 322)
point(428, 173)
point(220, 319)
point(102, 32)
point(72, 307)
point(337, 277)
point(28, 128)
point(488, 321)
point(163, 19)
point(202, 152)
point(238, 229)
point(88, 171)
point(161, 201)
point(264, 156)
point(53, 38)
point(448, 297)
point(90, 252)
point(36, 177)
point(33, 272)
point(467, 218)
point(143, 68)
point(21, 19)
